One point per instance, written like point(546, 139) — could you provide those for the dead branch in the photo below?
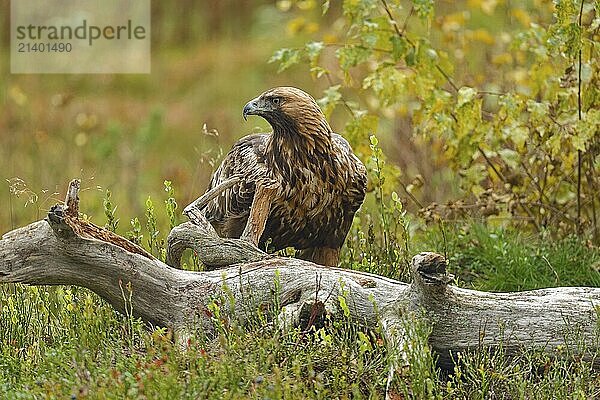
point(63, 249)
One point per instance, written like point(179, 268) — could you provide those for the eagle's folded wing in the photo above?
point(228, 212)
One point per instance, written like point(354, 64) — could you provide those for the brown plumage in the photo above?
point(304, 176)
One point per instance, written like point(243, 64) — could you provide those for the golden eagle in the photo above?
point(298, 186)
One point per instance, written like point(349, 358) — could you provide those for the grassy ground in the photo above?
point(57, 342)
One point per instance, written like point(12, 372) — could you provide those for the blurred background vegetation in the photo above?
point(460, 95)
point(131, 132)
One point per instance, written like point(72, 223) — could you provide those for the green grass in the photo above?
point(57, 342)
point(509, 260)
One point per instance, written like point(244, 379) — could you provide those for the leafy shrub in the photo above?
point(521, 131)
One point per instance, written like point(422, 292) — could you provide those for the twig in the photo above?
point(392, 19)
point(344, 102)
point(559, 213)
point(535, 182)
point(315, 311)
point(491, 164)
point(358, 46)
point(592, 182)
point(401, 35)
point(447, 77)
point(556, 277)
point(489, 93)
point(410, 14)
point(579, 154)
point(503, 179)
point(412, 197)
point(72, 198)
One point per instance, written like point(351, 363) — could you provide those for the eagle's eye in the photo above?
point(275, 101)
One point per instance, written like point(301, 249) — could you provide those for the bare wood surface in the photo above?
point(52, 252)
point(211, 249)
point(72, 198)
point(68, 214)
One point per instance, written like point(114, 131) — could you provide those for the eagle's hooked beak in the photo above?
point(251, 108)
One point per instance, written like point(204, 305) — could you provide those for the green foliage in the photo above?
point(67, 342)
point(170, 205)
point(112, 222)
point(135, 234)
point(286, 58)
point(420, 380)
point(531, 374)
point(490, 88)
point(151, 226)
point(528, 130)
point(384, 249)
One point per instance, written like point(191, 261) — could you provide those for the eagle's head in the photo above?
point(289, 110)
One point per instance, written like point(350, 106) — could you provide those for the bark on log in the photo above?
point(61, 250)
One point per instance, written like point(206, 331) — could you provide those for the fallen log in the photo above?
point(64, 250)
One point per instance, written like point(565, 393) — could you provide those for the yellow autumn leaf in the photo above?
point(454, 22)
point(465, 95)
point(306, 5)
point(295, 25)
point(521, 15)
point(503, 58)
point(483, 36)
point(330, 38)
point(518, 135)
point(489, 6)
point(311, 27)
point(17, 95)
point(284, 5)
